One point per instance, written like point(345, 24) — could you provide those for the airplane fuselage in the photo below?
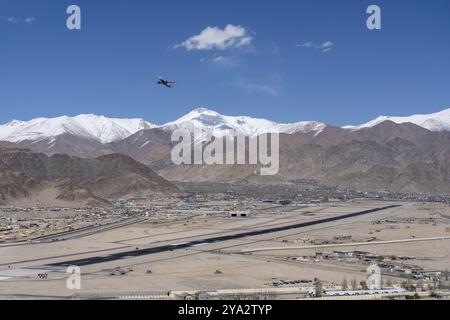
point(165, 83)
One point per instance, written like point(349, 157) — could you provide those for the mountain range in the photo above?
point(401, 154)
point(103, 130)
point(439, 121)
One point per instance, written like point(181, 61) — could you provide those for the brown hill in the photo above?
point(68, 144)
point(73, 179)
point(151, 147)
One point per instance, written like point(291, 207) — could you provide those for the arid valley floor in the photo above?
point(178, 250)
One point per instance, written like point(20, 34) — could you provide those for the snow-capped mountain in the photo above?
point(219, 124)
point(437, 122)
point(98, 128)
point(104, 130)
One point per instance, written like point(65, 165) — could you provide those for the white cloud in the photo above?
point(219, 59)
point(325, 47)
point(305, 45)
point(220, 39)
point(30, 20)
point(270, 85)
point(327, 44)
point(15, 20)
point(222, 61)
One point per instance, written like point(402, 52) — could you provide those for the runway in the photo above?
point(212, 240)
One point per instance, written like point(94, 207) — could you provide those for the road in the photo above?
point(88, 231)
point(340, 245)
point(212, 240)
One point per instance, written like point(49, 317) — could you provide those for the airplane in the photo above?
point(165, 82)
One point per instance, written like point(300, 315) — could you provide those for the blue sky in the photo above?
point(111, 65)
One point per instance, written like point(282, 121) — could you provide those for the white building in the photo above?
point(239, 214)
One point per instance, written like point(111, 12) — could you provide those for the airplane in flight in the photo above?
point(165, 82)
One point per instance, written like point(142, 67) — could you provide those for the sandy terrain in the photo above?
point(194, 268)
